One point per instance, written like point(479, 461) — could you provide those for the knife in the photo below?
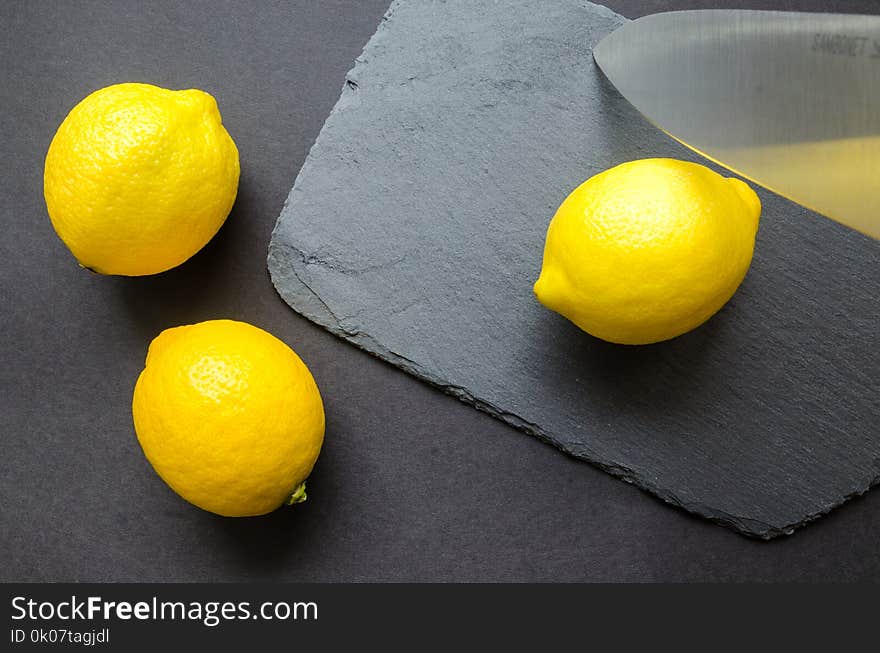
point(788, 100)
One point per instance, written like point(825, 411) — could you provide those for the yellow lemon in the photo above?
point(648, 250)
point(229, 417)
point(138, 178)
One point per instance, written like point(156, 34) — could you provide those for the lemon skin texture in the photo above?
point(229, 417)
point(139, 178)
point(648, 250)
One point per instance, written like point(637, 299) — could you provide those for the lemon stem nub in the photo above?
point(298, 496)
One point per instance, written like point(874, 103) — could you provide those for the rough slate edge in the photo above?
point(309, 304)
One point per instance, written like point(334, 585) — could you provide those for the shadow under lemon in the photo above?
point(206, 286)
point(649, 382)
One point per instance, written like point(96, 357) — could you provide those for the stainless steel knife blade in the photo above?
point(788, 100)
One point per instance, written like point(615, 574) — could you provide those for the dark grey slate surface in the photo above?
point(415, 230)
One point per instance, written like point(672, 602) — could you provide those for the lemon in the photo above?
point(229, 417)
point(138, 178)
point(648, 250)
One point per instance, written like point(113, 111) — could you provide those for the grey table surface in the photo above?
point(412, 484)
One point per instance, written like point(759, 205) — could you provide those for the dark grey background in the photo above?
point(412, 484)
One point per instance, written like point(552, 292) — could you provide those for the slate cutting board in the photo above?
point(415, 230)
